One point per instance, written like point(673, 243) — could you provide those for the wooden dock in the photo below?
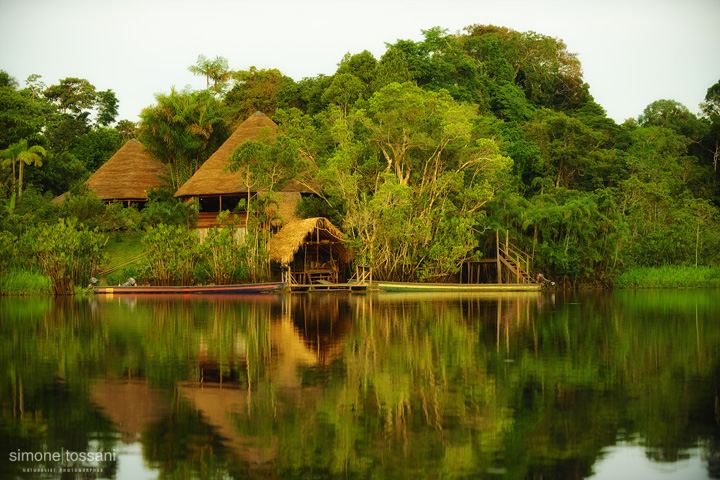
point(325, 286)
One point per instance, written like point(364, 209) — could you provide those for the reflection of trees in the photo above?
point(45, 357)
point(363, 385)
point(596, 365)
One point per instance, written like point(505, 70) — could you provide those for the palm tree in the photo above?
point(216, 70)
point(22, 154)
point(182, 130)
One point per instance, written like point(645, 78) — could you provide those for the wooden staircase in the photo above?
point(513, 265)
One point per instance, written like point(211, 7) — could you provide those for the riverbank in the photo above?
point(118, 248)
point(669, 277)
point(22, 282)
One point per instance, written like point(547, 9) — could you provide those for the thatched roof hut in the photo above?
point(210, 178)
point(218, 189)
point(128, 175)
point(298, 234)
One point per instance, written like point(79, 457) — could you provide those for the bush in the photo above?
point(7, 247)
point(173, 253)
point(224, 259)
point(117, 217)
point(163, 208)
point(16, 217)
point(669, 277)
point(68, 252)
point(85, 206)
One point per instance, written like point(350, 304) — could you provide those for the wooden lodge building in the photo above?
point(217, 189)
point(127, 176)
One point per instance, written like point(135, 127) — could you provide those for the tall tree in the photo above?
point(673, 115)
point(6, 80)
point(413, 175)
point(392, 68)
point(569, 148)
point(183, 130)
point(362, 66)
point(548, 74)
point(438, 63)
point(344, 90)
point(711, 109)
point(72, 95)
point(20, 116)
point(34, 85)
point(127, 130)
point(22, 154)
point(259, 90)
point(107, 104)
point(215, 71)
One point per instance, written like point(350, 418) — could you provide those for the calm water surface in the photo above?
point(539, 386)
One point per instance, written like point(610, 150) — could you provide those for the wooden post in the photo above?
point(497, 255)
point(527, 264)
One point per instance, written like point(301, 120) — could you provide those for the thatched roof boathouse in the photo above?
point(127, 176)
point(311, 250)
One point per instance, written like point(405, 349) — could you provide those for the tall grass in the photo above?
point(669, 277)
point(22, 282)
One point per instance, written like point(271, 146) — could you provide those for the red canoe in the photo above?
point(208, 289)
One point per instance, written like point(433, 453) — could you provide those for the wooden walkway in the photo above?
point(323, 286)
point(361, 281)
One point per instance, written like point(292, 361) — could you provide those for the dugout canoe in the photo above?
point(456, 287)
point(240, 289)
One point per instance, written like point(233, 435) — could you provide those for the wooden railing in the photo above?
point(209, 219)
point(515, 260)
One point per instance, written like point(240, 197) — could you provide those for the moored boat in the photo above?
point(457, 287)
point(240, 289)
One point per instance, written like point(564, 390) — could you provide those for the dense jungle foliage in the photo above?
point(422, 154)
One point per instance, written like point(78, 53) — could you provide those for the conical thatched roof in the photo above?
point(129, 174)
point(210, 179)
point(287, 242)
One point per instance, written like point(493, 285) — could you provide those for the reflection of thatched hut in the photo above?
point(131, 405)
point(313, 250)
point(217, 189)
point(127, 176)
point(219, 408)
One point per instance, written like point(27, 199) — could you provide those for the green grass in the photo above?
point(21, 282)
point(121, 247)
point(669, 277)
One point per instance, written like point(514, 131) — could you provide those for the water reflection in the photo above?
point(382, 385)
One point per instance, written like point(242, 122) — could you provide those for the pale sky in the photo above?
point(633, 52)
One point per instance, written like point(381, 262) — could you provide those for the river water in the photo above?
point(607, 385)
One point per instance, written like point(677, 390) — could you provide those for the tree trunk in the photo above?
point(13, 176)
point(20, 180)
